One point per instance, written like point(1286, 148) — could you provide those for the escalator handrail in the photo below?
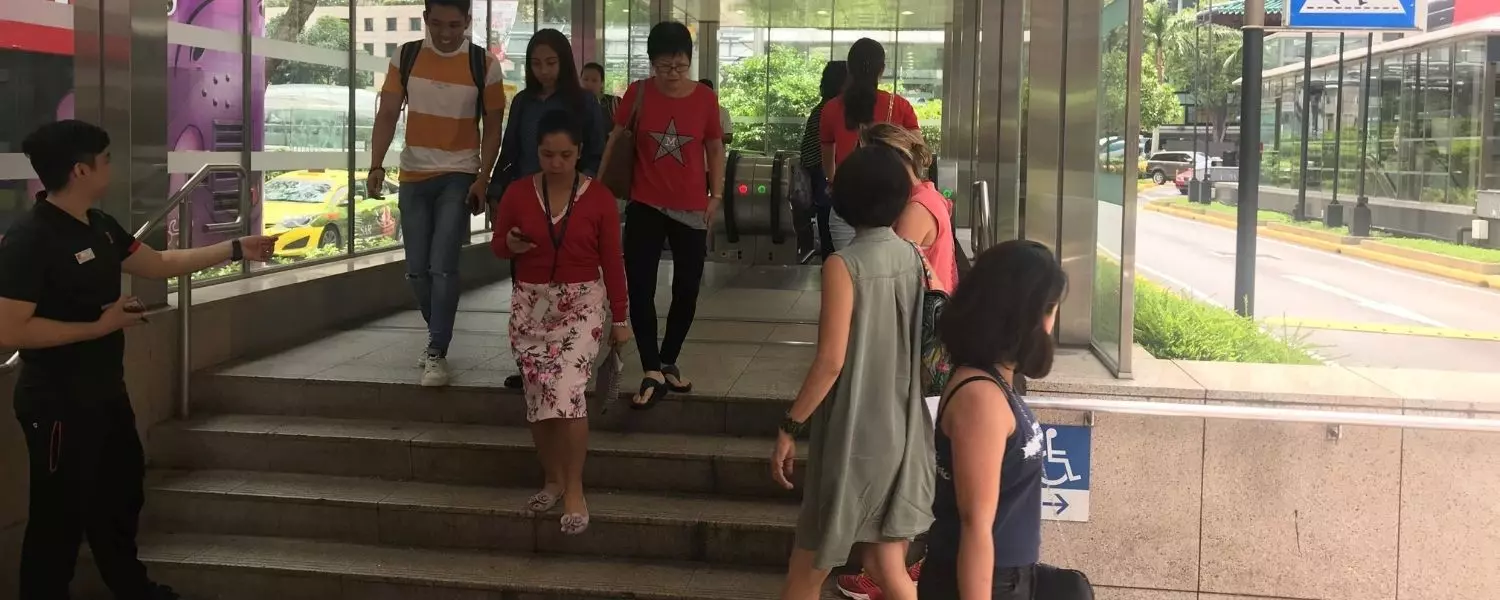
point(777, 169)
point(731, 226)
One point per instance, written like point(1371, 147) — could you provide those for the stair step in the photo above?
point(453, 453)
point(257, 568)
point(432, 515)
point(706, 414)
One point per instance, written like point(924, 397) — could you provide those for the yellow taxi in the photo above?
point(309, 209)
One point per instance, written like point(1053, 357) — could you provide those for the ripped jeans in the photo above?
point(435, 226)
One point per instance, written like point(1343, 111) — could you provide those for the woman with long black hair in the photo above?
point(987, 537)
point(835, 74)
point(552, 83)
point(861, 104)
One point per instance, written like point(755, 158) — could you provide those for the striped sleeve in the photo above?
point(392, 83)
point(494, 85)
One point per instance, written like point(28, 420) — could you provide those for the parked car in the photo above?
point(1163, 166)
point(1181, 180)
point(308, 209)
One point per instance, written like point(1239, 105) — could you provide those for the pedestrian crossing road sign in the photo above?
point(1362, 15)
point(1065, 477)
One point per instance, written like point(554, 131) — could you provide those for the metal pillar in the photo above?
point(1062, 143)
point(1253, 34)
point(119, 68)
point(1334, 216)
point(1300, 211)
point(1359, 224)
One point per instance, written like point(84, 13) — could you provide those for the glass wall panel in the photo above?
point(215, 104)
point(38, 56)
point(1112, 173)
point(1426, 106)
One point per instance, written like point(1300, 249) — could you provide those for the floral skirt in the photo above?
point(555, 331)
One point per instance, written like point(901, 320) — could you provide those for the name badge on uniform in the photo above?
point(85, 256)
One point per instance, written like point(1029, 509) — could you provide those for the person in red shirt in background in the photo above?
point(562, 230)
point(860, 105)
point(679, 141)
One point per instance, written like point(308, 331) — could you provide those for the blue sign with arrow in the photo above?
point(1364, 15)
point(1065, 480)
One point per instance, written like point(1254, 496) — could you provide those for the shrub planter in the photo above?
point(1322, 236)
point(1452, 262)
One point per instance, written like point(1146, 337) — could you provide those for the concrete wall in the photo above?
point(1185, 509)
point(1442, 220)
point(231, 321)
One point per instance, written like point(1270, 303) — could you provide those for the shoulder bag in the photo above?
point(619, 159)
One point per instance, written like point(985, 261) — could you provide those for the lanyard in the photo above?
point(558, 236)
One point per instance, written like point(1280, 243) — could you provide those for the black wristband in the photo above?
point(236, 250)
point(792, 427)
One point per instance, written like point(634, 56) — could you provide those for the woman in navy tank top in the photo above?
point(986, 540)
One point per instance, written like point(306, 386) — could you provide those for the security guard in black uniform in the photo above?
point(60, 304)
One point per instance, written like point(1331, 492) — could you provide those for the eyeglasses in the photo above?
point(665, 68)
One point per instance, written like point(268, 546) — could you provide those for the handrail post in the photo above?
point(979, 217)
point(184, 313)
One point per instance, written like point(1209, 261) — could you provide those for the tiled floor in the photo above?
point(755, 321)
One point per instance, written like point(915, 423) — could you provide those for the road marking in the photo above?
point(1386, 328)
point(1173, 282)
point(1423, 277)
point(1390, 309)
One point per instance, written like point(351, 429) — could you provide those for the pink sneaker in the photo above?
point(862, 586)
point(859, 587)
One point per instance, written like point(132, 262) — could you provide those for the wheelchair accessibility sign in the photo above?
point(1065, 480)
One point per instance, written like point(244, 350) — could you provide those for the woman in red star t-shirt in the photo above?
point(679, 141)
point(860, 105)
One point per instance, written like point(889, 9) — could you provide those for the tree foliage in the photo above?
point(326, 32)
point(1158, 101)
point(782, 84)
point(1205, 60)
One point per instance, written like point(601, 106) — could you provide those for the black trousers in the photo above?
point(1008, 583)
point(646, 229)
point(87, 472)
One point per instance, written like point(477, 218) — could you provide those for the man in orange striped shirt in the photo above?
point(446, 163)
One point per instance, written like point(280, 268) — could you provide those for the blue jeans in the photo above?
point(435, 225)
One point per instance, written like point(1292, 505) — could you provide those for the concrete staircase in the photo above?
point(291, 488)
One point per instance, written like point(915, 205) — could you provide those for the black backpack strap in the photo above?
point(479, 65)
point(409, 52)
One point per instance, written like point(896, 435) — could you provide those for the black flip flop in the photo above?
point(673, 371)
point(658, 390)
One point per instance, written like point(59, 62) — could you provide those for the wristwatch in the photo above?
point(236, 250)
point(792, 427)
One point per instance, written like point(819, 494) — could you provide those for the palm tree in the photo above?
point(1158, 27)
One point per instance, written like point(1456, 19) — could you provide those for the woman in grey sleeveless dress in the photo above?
point(870, 466)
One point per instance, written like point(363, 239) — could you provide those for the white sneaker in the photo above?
point(435, 372)
point(422, 360)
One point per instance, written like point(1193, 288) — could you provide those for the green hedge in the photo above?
point(1173, 326)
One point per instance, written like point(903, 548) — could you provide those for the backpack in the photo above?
point(799, 192)
point(478, 68)
point(937, 365)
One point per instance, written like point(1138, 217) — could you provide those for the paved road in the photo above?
point(1301, 283)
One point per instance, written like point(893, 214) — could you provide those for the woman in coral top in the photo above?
point(563, 232)
point(928, 218)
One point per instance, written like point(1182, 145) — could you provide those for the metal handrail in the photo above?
point(979, 218)
point(177, 202)
point(159, 218)
point(1257, 413)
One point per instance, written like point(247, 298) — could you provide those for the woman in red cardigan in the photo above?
point(563, 231)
